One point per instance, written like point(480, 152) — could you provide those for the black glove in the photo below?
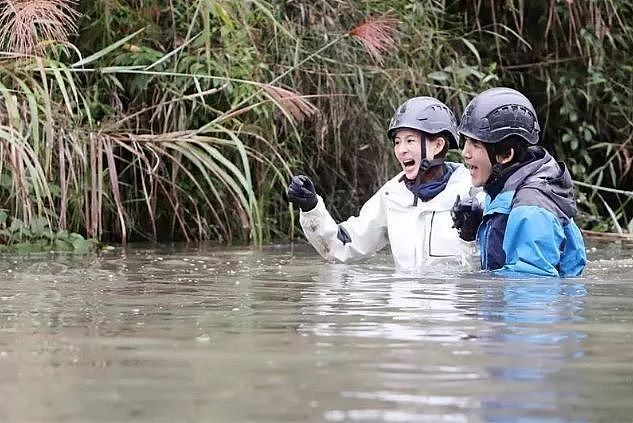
point(467, 215)
point(301, 193)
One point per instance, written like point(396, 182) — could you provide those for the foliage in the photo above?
point(573, 59)
point(185, 119)
point(17, 237)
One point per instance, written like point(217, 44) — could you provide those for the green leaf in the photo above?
point(75, 237)
point(108, 49)
point(472, 48)
point(488, 78)
point(84, 245)
point(6, 181)
point(440, 76)
point(39, 226)
point(16, 225)
point(62, 245)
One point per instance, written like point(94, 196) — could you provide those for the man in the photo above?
point(528, 215)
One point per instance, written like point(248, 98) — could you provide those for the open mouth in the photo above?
point(408, 163)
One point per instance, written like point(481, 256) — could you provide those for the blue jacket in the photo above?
point(528, 227)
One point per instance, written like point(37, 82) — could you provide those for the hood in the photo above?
point(551, 178)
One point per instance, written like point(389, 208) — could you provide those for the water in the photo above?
point(275, 334)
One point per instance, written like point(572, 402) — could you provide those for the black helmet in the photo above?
point(498, 113)
point(426, 114)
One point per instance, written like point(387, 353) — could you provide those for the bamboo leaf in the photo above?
point(472, 48)
point(96, 56)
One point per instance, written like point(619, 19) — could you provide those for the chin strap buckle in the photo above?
point(427, 164)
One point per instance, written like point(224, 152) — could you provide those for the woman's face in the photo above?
point(407, 148)
point(477, 161)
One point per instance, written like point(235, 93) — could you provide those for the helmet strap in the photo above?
point(426, 164)
point(427, 167)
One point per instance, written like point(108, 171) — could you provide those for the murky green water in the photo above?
point(226, 335)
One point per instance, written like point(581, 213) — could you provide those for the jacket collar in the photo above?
point(443, 201)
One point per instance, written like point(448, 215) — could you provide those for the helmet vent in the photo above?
point(511, 116)
point(428, 115)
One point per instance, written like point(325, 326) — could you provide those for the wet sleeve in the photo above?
point(532, 242)
point(574, 257)
point(365, 233)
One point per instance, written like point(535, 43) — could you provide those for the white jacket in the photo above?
point(419, 235)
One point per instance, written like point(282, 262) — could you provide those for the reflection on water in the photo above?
point(275, 334)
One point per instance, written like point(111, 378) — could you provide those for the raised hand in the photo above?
point(301, 193)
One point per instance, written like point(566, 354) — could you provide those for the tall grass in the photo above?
point(574, 60)
point(185, 119)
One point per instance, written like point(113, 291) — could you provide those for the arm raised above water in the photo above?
point(358, 237)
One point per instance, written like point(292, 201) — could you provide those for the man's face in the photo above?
point(477, 161)
point(408, 151)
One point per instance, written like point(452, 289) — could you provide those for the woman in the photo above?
point(411, 212)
